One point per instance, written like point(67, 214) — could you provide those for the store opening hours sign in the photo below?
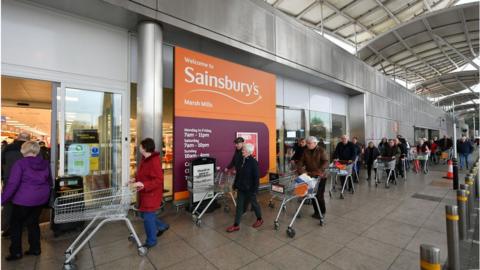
point(216, 101)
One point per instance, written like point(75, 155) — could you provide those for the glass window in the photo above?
point(294, 123)
point(320, 127)
point(93, 137)
point(339, 128)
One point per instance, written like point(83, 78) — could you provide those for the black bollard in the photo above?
point(455, 173)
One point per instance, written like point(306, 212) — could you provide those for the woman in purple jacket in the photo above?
point(28, 188)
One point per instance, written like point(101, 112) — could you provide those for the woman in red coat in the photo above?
point(149, 182)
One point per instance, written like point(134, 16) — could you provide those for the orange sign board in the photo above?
point(225, 98)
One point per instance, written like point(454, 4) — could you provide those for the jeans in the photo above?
point(152, 225)
point(320, 198)
point(242, 198)
point(24, 216)
point(463, 160)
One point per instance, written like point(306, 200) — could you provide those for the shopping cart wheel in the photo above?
point(276, 225)
point(226, 209)
point(131, 238)
point(142, 251)
point(341, 196)
point(194, 218)
point(198, 222)
point(69, 266)
point(271, 204)
point(291, 232)
point(321, 222)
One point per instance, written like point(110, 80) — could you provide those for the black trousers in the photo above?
point(320, 198)
point(6, 216)
point(25, 216)
point(245, 197)
point(369, 170)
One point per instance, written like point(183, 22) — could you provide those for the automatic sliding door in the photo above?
point(92, 136)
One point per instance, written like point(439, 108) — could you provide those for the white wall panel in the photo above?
point(295, 94)
point(49, 40)
point(320, 100)
point(339, 103)
point(279, 90)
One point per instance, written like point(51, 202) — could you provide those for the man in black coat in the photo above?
point(237, 158)
point(345, 151)
point(10, 154)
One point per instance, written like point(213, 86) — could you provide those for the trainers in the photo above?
point(233, 228)
point(257, 223)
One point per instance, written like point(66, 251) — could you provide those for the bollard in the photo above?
point(429, 257)
point(455, 173)
point(462, 201)
point(471, 200)
point(468, 212)
point(453, 242)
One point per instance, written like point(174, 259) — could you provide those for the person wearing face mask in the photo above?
point(314, 161)
point(246, 183)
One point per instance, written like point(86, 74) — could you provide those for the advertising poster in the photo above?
point(214, 101)
point(203, 176)
point(251, 138)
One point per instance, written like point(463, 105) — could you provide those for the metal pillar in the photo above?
point(150, 86)
point(468, 211)
point(429, 257)
point(453, 242)
point(462, 201)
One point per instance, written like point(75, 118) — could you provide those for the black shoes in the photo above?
point(6, 234)
point(34, 253)
point(160, 232)
point(316, 216)
point(13, 257)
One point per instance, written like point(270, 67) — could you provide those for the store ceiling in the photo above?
point(34, 120)
point(27, 91)
point(449, 83)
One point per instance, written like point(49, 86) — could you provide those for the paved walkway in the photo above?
point(376, 228)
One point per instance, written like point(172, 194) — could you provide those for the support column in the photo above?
point(150, 84)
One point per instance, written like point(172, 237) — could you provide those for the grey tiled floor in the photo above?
point(375, 228)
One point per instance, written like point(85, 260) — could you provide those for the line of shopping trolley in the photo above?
point(341, 168)
point(289, 188)
point(100, 207)
point(385, 165)
point(222, 185)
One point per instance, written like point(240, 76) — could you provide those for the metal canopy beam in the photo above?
point(397, 21)
point(414, 53)
point(430, 33)
point(308, 8)
point(342, 9)
point(465, 31)
point(341, 12)
point(456, 51)
point(388, 61)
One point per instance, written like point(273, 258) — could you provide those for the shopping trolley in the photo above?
point(222, 185)
point(105, 205)
point(291, 191)
point(342, 168)
point(277, 186)
point(386, 164)
point(421, 162)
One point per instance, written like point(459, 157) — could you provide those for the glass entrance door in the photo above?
point(92, 137)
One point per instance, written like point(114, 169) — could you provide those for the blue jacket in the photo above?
point(464, 147)
point(247, 178)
